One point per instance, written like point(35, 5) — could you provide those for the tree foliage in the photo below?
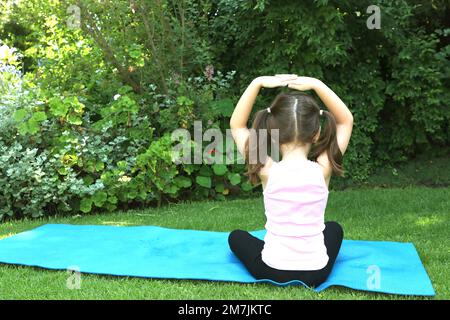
point(91, 90)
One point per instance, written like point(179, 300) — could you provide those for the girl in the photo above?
point(298, 244)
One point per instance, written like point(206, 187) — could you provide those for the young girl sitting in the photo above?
point(299, 244)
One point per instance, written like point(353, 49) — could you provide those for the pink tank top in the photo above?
point(295, 198)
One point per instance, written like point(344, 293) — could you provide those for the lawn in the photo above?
point(415, 214)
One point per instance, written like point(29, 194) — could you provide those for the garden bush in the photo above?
point(90, 91)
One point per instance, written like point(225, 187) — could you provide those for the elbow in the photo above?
point(234, 124)
point(346, 120)
point(350, 119)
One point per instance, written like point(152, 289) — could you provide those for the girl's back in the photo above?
point(295, 198)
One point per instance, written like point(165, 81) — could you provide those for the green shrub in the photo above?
point(31, 186)
point(86, 113)
point(395, 79)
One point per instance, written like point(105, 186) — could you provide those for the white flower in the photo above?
point(117, 96)
point(7, 54)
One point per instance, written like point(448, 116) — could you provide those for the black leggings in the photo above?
point(248, 249)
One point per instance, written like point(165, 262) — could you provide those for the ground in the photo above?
point(413, 214)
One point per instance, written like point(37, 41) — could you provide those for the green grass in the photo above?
point(416, 214)
point(422, 171)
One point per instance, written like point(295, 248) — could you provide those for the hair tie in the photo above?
point(268, 109)
point(321, 112)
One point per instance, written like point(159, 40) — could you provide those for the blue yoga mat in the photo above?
point(157, 252)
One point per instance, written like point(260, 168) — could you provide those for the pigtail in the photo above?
point(328, 142)
point(257, 144)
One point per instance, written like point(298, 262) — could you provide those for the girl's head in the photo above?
point(297, 117)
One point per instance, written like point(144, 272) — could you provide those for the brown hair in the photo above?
point(296, 115)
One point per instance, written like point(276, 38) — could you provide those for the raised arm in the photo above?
point(244, 106)
point(343, 116)
point(241, 113)
point(336, 106)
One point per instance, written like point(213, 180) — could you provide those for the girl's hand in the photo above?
point(279, 80)
point(304, 83)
